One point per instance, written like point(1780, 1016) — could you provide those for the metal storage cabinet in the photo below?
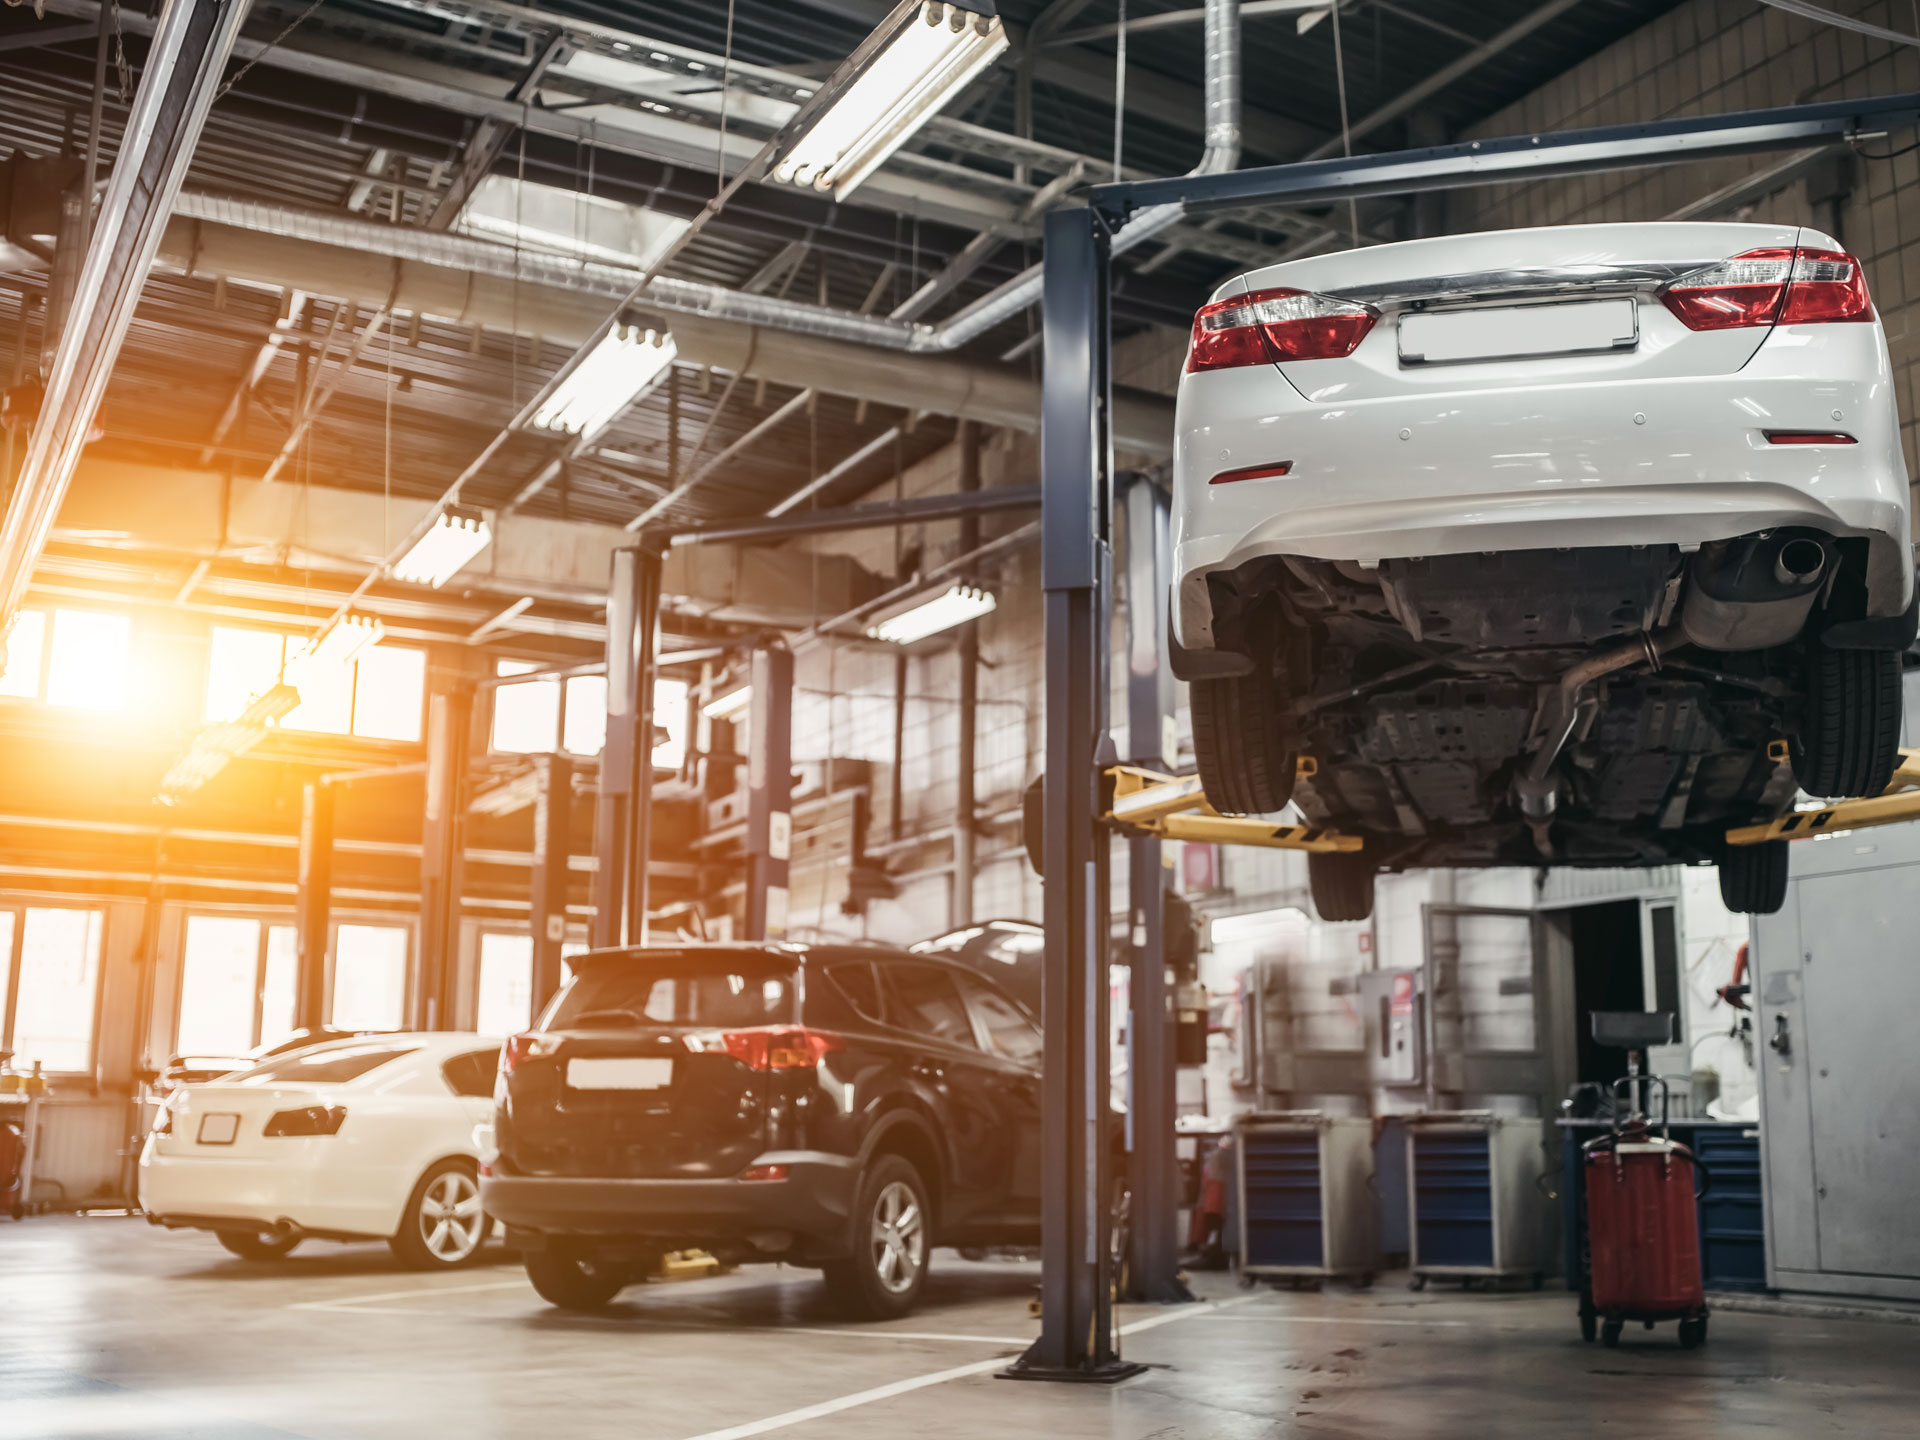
point(1306, 1212)
point(1474, 1210)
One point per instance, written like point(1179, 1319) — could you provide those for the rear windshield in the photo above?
point(332, 1066)
point(676, 988)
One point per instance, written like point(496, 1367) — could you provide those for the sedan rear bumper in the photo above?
point(813, 1201)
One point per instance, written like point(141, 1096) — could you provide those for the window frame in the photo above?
point(18, 906)
point(268, 921)
point(409, 924)
point(883, 972)
point(287, 639)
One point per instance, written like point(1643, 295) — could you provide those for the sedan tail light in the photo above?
point(521, 1047)
point(1771, 287)
point(1265, 327)
point(781, 1049)
point(309, 1120)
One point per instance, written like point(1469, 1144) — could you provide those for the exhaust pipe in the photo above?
point(1755, 592)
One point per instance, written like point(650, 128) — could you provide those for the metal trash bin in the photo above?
point(1474, 1209)
point(1306, 1205)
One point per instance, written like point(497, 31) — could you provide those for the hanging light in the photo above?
point(335, 648)
point(726, 706)
point(215, 747)
point(455, 537)
point(617, 371)
point(954, 606)
point(921, 57)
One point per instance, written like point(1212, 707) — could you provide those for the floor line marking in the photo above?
point(938, 1377)
point(417, 1293)
point(901, 1335)
point(1360, 1320)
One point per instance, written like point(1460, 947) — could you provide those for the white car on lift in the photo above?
point(1534, 542)
point(357, 1139)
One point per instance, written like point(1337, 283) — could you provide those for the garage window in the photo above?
point(49, 987)
point(538, 717)
point(379, 696)
point(505, 1002)
point(237, 984)
point(369, 977)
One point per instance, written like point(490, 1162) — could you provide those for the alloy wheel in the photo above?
point(899, 1238)
point(452, 1224)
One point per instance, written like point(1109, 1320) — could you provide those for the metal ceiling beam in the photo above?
point(1175, 19)
point(320, 393)
point(488, 142)
point(255, 372)
point(192, 40)
point(922, 510)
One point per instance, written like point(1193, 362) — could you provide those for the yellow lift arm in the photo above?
point(1899, 801)
point(1176, 809)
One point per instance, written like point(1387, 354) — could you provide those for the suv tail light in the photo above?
point(1265, 327)
point(1771, 287)
point(312, 1120)
point(521, 1047)
point(780, 1049)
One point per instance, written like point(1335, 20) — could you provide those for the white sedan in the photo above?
point(1526, 548)
point(357, 1139)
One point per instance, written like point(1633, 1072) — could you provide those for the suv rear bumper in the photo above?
point(812, 1202)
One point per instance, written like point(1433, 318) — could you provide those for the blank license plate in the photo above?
point(1520, 332)
point(219, 1129)
point(619, 1074)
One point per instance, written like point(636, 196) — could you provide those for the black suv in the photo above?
point(844, 1107)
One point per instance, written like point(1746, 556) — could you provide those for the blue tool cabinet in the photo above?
point(1472, 1200)
point(1306, 1209)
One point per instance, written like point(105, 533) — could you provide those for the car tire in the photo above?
point(1342, 884)
point(258, 1245)
point(1245, 754)
point(1849, 737)
point(1753, 878)
point(892, 1242)
point(443, 1226)
point(572, 1281)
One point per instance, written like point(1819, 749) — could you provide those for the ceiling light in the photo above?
point(338, 646)
point(729, 705)
point(929, 617)
point(437, 556)
point(607, 379)
point(924, 54)
point(216, 745)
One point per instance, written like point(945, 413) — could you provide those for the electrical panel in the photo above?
point(1391, 1003)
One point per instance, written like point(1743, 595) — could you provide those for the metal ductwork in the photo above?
point(475, 282)
point(190, 47)
point(1222, 153)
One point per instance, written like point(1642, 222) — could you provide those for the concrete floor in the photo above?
point(110, 1330)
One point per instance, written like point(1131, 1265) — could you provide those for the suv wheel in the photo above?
point(892, 1237)
point(250, 1245)
point(1245, 754)
point(443, 1225)
point(1849, 740)
point(1342, 884)
point(574, 1282)
point(1753, 878)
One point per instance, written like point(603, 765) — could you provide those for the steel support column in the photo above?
point(769, 791)
point(967, 658)
point(313, 906)
point(1076, 1320)
point(623, 812)
point(442, 858)
point(1153, 1167)
point(552, 848)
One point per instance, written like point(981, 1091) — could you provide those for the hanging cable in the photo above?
point(1119, 90)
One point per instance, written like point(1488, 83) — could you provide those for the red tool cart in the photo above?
point(1642, 1225)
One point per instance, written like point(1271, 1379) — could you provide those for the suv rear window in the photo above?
point(332, 1066)
point(676, 988)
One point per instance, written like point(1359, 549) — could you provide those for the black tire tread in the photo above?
point(850, 1283)
point(1753, 878)
point(258, 1245)
point(1849, 739)
point(1246, 763)
point(1342, 884)
point(562, 1279)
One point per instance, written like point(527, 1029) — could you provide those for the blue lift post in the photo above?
point(1076, 1336)
point(769, 790)
point(1153, 1167)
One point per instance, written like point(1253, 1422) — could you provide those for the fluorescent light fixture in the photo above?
point(338, 646)
point(608, 378)
point(440, 554)
point(726, 706)
point(584, 227)
point(934, 50)
point(217, 745)
point(952, 607)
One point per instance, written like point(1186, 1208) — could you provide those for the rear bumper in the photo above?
point(1621, 462)
point(212, 1193)
point(812, 1202)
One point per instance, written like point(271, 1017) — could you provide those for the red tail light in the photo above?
point(521, 1047)
point(1809, 437)
point(309, 1120)
point(1771, 287)
point(1254, 472)
point(764, 1172)
point(780, 1049)
point(1266, 327)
